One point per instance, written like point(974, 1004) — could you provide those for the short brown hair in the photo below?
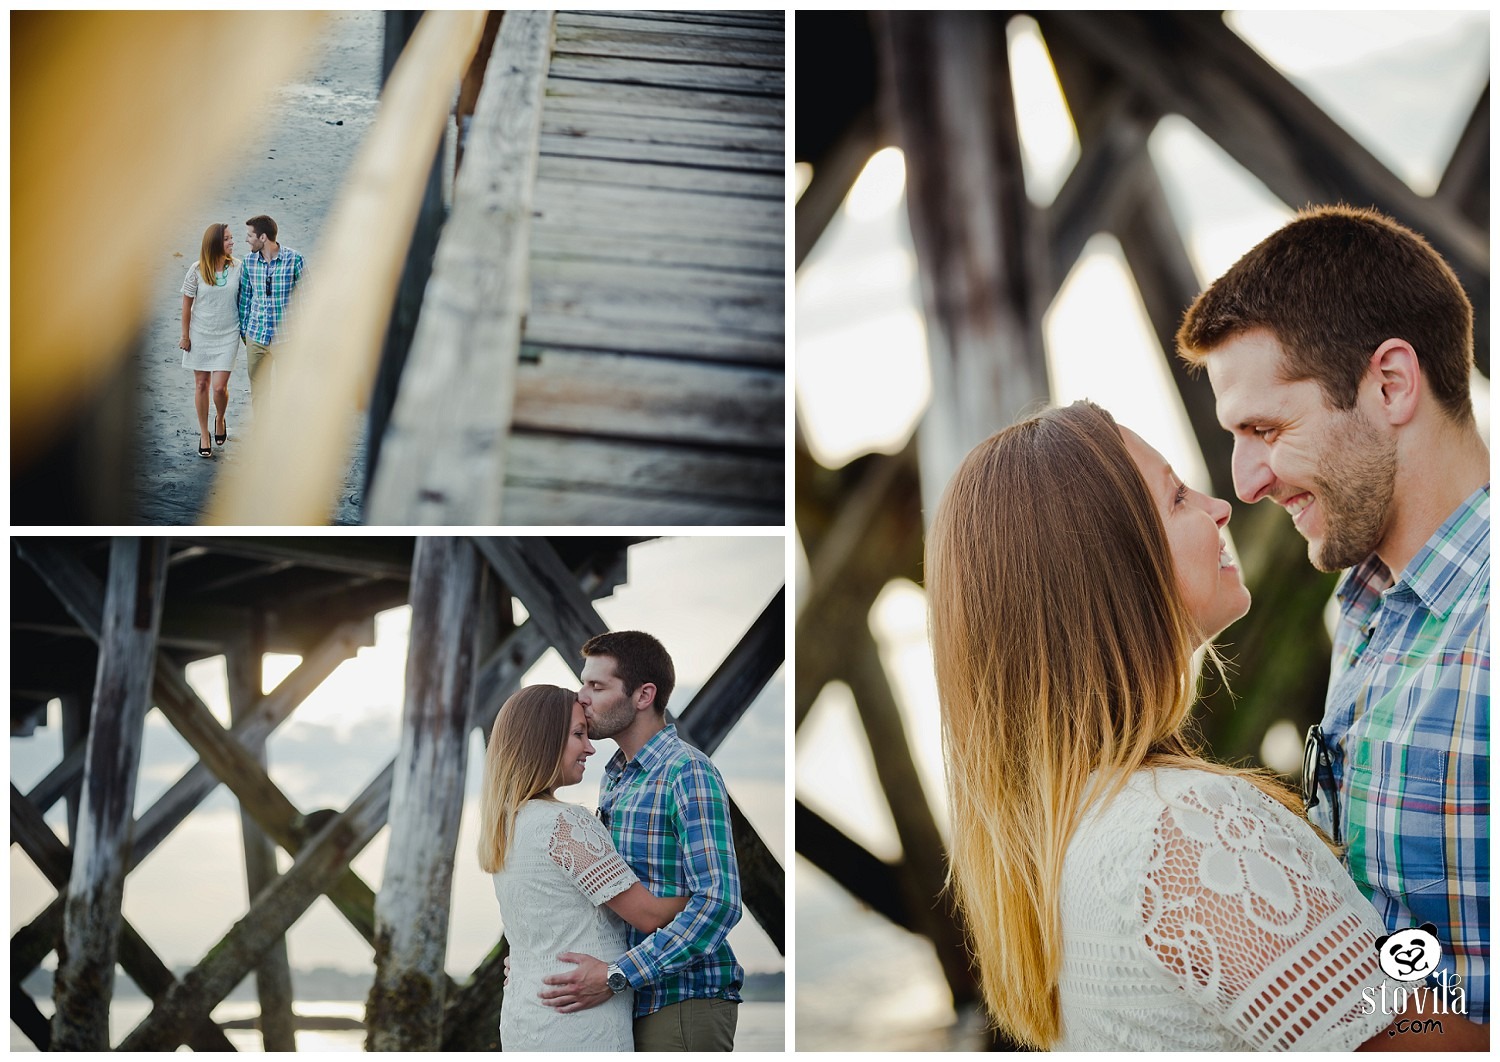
point(639, 658)
point(1332, 285)
point(263, 226)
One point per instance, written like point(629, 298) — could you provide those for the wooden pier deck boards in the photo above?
point(651, 387)
point(603, 340)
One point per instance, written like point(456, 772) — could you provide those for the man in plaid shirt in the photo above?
point(665, 806)
point(1340, 352)
point(270, 273)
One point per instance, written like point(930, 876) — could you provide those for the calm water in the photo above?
point(762, 1026)
point(864, 984)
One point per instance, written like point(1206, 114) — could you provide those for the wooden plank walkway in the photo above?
point(652, 381)
point(649, 385)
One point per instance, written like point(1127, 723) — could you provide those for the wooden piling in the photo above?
point(75, 731)
point(273, 977)
point(91, 917)
point(405, 1010)
point(318, 867)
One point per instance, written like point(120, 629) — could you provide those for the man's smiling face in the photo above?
point(1332, 470)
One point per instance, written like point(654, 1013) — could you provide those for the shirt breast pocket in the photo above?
point(1398, 799)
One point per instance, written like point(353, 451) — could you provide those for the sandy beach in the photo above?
point(293, 169)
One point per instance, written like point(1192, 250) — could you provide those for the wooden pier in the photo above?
point(602, 339)
point(589, 330)
point(108, 626)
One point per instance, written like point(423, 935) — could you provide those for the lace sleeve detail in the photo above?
point(1250, 915)
point(580, 845)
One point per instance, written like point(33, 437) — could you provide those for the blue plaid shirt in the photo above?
point(669, 817)
point(1408, 726)
point(261, 313)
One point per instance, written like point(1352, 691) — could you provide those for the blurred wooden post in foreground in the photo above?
point(405, 1011)
point(86, 162)
point(91, 920)
point(334, 334)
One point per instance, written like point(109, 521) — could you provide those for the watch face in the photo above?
point(617, 981)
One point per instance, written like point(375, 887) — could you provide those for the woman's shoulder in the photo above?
point(554, 811)
point(1151, 794)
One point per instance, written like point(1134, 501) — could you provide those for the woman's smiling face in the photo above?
point(576, 751)
point(1207, 576)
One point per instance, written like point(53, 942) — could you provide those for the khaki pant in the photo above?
point(692, 1025)
point(259, 357)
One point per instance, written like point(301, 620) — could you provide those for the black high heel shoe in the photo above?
point(220, 438)
point(205, 451)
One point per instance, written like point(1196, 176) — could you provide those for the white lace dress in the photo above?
point(214, 327)
point(559, 870)
point(1199, 915)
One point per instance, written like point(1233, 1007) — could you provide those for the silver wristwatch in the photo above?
point(615, 978)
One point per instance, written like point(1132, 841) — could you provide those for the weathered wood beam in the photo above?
point(1167, 284)
point(740, 677)
point(29, 1019)
point(471, 1020)
point(269, 713)
point(376, 555)
point(875, 536)
point(320, 864)
point(293, 477)
point(980, 243)
point(273, 976)
point(468, 340)
point(868, 878)
point(1098, 193)
point(530, 568)
point(833, 176)
point(924, 865)
point(79, 592)
point(1466, 178)
point(405, 1009)
point(75, 733)
point(30, 946)
point(501, 672)
point(1191, 63)
point(762, 878)
point(85, 978)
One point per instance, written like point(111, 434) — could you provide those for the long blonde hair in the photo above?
point(1062, 647)
point(523, 761)
point(212, 257)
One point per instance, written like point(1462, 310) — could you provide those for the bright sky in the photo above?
point(1404, 83)
point(698, 595)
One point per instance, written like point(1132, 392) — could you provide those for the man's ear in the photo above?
point(645, 697)
point(1398, 375)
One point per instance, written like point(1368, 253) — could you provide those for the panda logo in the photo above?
point(1410, 954)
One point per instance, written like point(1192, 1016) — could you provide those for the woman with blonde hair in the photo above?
point(211, 329)
point(561, 885)
point(1120, 891)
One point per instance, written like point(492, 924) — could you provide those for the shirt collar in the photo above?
point(1443, 569)
point(652, 753)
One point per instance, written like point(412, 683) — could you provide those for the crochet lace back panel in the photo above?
point(560, 868)
point(581, 846)
point(1199, 914)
